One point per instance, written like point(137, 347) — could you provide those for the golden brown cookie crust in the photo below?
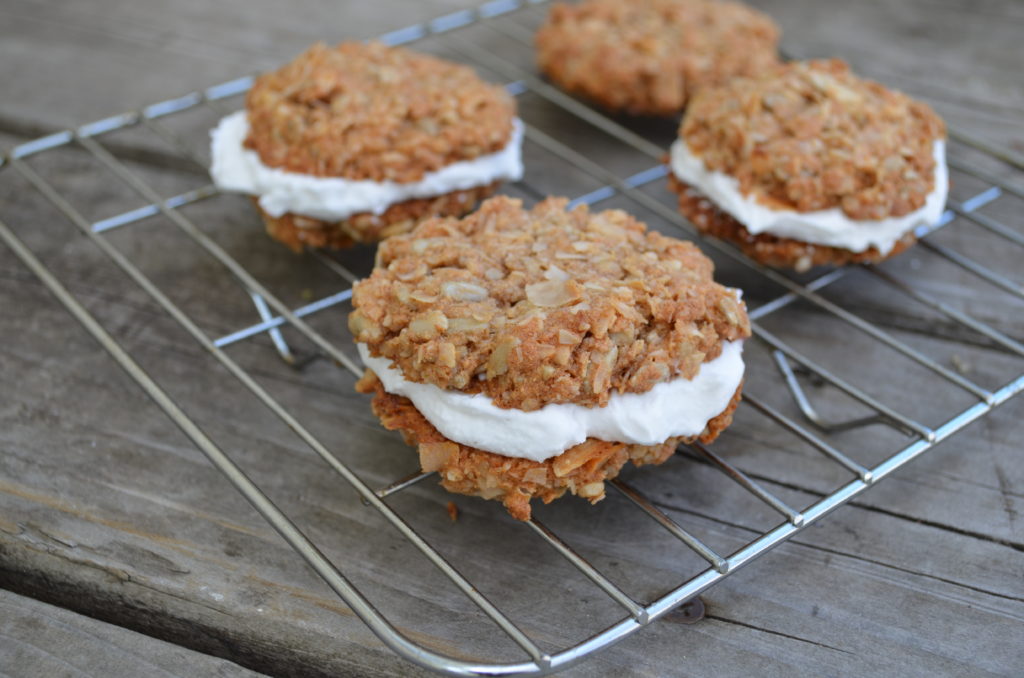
point(580, 470)
point(367, 111)
point(769, 249)
point(540, 306)
point(297, 231)
point(812, 136)
point(650, 56)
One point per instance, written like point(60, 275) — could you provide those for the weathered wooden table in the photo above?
point(108, 511)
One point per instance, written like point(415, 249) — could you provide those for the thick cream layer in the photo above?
point(823, 227)
point(680, 407)
point(235, 168)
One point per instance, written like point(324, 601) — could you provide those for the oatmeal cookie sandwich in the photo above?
point(648, 57)
point(810, 165)
point(526, 353)
point(359, 142)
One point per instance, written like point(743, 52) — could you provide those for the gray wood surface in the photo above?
point(37, 639)
point(107, 510)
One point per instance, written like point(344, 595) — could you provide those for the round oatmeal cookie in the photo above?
point(357, 142)
point(811, 135)
point(365, 111)
point(540, 306)
point(580, 470)
point(648, 57)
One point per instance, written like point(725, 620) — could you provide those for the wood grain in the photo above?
point(37, 639)
point(108, 510)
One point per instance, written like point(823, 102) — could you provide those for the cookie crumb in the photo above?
point(960, 364)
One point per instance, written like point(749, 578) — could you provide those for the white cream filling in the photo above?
point(679, 407)
point(822, 227)
point(235, 168)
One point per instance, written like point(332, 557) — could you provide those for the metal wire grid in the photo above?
point(274, 314)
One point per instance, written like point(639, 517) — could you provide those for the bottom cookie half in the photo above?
point(297, 231)
point(769, 249)
point(580, 470)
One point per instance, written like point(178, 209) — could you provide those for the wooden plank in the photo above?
point(37, 639)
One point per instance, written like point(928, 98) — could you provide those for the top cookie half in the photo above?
point(371, 112)
point(650, 56)
point(533, 307)
point(811, 135)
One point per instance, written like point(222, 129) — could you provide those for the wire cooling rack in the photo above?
point(973, 163)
